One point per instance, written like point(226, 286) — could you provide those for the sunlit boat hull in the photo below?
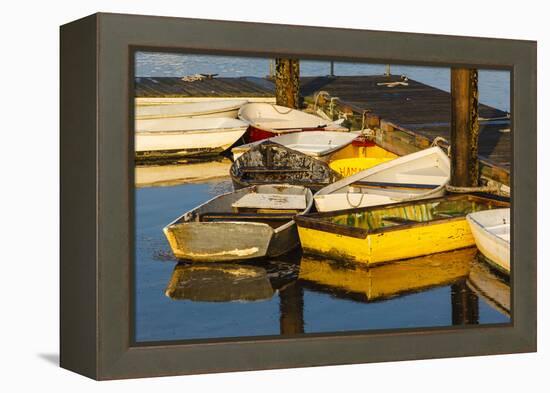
point(208, 109)
point(186, 137)
point(392, 232)
point(358, 157)
point(269, 120)
point(216, 232)
point(491, 230)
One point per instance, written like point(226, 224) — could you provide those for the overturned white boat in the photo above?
point(491, 230)
point(252, 222)
point(419, 175)
point(318, 144)
point(182, 136)
point(221, 108)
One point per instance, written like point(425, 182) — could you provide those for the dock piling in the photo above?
point(464, 128)
point(287, 82)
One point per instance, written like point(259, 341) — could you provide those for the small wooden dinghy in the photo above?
point(420, 175)
point(392, 232)
point(361, 283)
point(269, 120)
point(318, 144)
point(491, 230)
point(253, 222)
point(222, 108)
point(180, 137)
point(271, 163)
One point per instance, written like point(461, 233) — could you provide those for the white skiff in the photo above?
point(188, 136)
point(269, 120)
point(491, 230)
point(318, 144)
point(252, 222)
point(419, 175)
point(223, 108)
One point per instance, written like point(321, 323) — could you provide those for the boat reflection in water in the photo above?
point(297, 281)
point(491, 285)
point(224, 282)
point(360, 283)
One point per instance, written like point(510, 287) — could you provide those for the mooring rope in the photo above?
point(437, 142)
point(349, 202)
point(317, 95)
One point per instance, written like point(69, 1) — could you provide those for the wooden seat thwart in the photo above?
point(271, 202)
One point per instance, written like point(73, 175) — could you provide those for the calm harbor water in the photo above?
point(295, 294)
point(494, 86)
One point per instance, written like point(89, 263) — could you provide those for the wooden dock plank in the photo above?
point(216, 87)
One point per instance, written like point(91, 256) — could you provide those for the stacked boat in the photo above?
point(269, 120)
point(190, 129)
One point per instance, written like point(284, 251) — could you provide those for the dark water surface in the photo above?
point(295, 294)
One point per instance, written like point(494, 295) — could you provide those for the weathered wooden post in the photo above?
point(287, 82)
point(464, 128)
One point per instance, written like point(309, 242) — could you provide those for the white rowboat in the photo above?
point(491, 230)
point(268, 120)
point(419, 175)
point(318, 144)
point(225, 108)
point(188, 136)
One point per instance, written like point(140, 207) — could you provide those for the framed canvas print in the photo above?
point(240, 196)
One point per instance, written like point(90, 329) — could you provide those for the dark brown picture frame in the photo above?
point(97, 196)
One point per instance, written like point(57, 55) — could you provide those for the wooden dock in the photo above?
point(406, 115)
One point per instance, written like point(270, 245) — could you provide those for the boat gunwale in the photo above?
point(213, 130)
point(314, 220)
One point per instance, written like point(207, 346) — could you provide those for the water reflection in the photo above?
point(292, 278)
point(492, 286)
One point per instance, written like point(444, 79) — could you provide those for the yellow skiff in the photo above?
point(398, 231)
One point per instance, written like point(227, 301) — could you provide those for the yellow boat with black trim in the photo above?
point(392, 232)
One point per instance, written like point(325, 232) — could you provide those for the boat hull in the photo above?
point(233, 241)
point(493, 247)
point(213, 109)
point(398, 231)
point(388, 246)
point(256, 134)
point(271, 163)
point(188, 142)
point(219, 230)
